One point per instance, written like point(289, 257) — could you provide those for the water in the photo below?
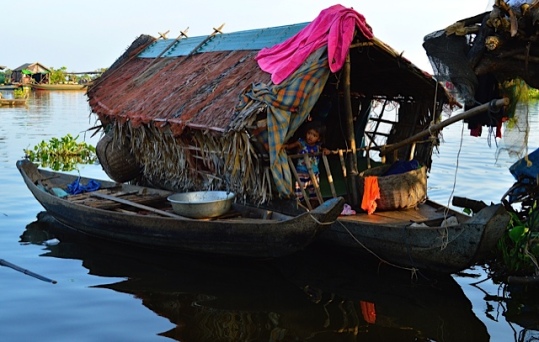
point(108, 293)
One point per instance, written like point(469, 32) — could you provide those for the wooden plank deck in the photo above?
point(424, 212)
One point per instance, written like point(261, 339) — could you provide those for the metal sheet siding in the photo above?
point(238, 41)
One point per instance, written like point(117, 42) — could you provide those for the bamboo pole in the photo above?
point(314, 178)
point(384, 150)
point(329, 175)
point(25, 271)
point(174, 42)
point(352, 158)
point(300, 185)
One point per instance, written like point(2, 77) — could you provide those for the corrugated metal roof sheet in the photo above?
point(236, 41)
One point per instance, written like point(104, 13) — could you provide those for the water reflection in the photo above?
point(309, 296)
point(518, 305)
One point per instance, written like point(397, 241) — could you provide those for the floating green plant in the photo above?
point(62, 154)
point(520, 245)
point(20, 93)
point(533, 94)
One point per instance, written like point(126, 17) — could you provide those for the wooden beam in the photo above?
point(136, 205)
point(434, 128)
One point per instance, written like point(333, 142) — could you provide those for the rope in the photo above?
point(322, 223)
point(411, 269)
point(445, 238)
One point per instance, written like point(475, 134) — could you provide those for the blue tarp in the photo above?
point(525, 172)
point(77, 188)
point(527, 167)
point(402, 166)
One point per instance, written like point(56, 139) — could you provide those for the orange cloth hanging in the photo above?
point(368, 310)
point(371, 192)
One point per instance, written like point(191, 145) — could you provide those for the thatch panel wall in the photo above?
point(197, 160)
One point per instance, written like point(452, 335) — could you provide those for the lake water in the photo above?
point(106, 292)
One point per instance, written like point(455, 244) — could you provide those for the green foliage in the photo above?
point(20, 93)
point(533, 93)
point(520, 245)
point(62, 154)
point(5, 76)
point(57, 75)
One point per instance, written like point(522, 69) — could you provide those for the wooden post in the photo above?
point(313, 177)
point(350, 136)
point(304, 193)
point(329, 176)
point(344, 174)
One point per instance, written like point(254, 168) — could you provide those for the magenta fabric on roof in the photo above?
point(334, 27)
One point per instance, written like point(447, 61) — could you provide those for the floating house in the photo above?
point(29, 73)
point(214, 112)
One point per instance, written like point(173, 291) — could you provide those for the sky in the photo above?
point(85, 36)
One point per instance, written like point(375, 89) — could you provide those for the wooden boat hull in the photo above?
point(58, 86)
point(245, 237)
point(9, 86)
point(313, 293)
point(12, 102)
point(390, 237)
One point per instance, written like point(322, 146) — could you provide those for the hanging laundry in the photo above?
point(371, 192)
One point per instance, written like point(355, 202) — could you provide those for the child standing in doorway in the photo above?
point(311, 144)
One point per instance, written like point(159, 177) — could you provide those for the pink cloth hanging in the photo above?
point(334, 27)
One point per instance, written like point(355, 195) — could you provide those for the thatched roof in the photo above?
point(200, 88)
point(33, 67)
point(186, 87)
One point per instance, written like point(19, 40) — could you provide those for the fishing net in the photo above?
point(490, 56)
point(516, 127)
point(448, 57)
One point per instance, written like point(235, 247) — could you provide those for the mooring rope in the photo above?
point(321, 223)
point(414, 271)
point(446, 210)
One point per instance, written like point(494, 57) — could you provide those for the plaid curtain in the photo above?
point(289, 104)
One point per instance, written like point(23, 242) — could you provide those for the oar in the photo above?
point(136, 205)
point(25, 271)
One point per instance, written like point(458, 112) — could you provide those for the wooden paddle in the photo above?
point(137, 205)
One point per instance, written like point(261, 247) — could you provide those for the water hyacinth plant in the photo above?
point(520, 245)
point(62, 154)
point(20, 93)
point(533, 94)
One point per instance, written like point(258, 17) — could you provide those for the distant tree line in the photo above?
point(60, 75)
